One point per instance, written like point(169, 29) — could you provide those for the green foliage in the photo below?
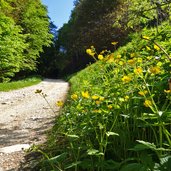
point(137, 14)
point(20, 84)
point(24, 30)
point(117, 116)
point(94, 22)
point(12, 45)
point(100, 22)
point(35, 25)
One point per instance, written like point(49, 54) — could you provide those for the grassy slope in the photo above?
point(124, 94)
point(19, 84)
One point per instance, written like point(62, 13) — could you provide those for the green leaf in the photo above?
point(147, 145)
point(72, 165)
point(100, 126)
point(111, 134)
point(58, 158)
point(72, 136)
point(92, 152)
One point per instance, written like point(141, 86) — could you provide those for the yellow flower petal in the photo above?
point(101, 98)
point(100, 57)
point(143, 93)
point(109, 106)
point(146, 37)
point(126, 79)
point(131, 61)
point(167, 91)
point(59, 103)
point(95, 97)
point(138, 70)
point(156, 47)
point(155, 70)
point(85, 94)
point(74, 96)
point(147, 103)
point(90, 52)
point(114, 43)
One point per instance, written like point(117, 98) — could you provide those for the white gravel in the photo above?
point(25, 117)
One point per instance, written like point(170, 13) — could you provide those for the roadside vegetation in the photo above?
point(118, 111)
point(117, 114)
point(13, 85)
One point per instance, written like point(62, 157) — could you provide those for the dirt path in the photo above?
point(24, 119)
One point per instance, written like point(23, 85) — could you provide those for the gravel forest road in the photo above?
point(25, 118)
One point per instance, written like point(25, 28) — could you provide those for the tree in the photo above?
point(100, 22)
point(12, 46)
point(24, 31)
point(35, 24)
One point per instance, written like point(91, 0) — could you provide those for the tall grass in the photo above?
point(117, 116)
point(13, 85)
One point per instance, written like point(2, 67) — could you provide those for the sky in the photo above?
point(59, 10)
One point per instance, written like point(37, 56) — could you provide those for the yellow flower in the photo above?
point(143, 93)
point(85, 94)
point(156, 47)
point(100, 57)
point(147, 103)
point(103, 51)
point(167, 91)
point(131, 61)
point(139, 60)
point(110, 58)
point(155, 70)
point(148, 48)
point(90, 52)
point(95, 97)
point(97, 102)
point(74, 96)
point(109, 106)
point(138, 70)
point(126, 98)
point(114, 43)
point(101, 98)
point(121, 63)
point(146, 37)
point(126, 79)
point(59, 103)
point(118, 56)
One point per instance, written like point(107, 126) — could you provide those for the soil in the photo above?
point(25, 118)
